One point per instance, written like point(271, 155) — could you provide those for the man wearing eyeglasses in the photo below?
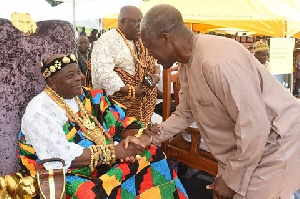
point(121, 65)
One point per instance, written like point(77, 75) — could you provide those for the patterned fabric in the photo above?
point(141, 107)
point(21, 79)
point(151, 175)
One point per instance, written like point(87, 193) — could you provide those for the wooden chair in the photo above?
point(178, 148)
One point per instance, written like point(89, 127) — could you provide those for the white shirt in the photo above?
point(111, 51)
point(42, 125)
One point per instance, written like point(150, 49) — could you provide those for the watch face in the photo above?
point(148, 80)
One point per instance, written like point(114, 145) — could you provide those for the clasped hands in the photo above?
point(132, 147)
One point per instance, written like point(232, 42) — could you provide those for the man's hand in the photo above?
point(155, 78)
point(220, 189)
point(154, 129)
point(130, 151)
point(139, 90)
point(142, 141)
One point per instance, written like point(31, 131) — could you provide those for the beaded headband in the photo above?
point(48, 70)
point(261, 46)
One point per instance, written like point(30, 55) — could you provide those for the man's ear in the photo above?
point(165, 38)
point(121, 23)
point(51, 82)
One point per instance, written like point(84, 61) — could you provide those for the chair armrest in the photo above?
point(195, 138)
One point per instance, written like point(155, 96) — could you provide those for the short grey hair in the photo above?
point(161, 18)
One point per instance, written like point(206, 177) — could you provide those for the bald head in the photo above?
point(162, 18)
point(129, 12)
point(129, 22)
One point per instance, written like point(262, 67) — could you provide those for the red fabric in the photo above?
point(125, 169)
point(85, 190)
point(147, 183)
point(94, 92)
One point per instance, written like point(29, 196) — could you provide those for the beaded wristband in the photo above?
point(140, 132)
point(113, 154)
point(92, 158)
point(98, 158)
point(133, 92)
point(129, 91)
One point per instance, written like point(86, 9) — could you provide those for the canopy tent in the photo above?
point(296, 5)
point(85, 12)
point(111, 21)
point(39, 10)
point(289, 10)
point(94, 9)
point(250, 15)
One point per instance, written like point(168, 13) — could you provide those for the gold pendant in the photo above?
point(88, 124)
point(95, 135)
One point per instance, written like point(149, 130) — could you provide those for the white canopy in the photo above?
point(87, 12)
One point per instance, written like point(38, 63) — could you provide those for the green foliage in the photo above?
point(54, 3)
point(87, 30)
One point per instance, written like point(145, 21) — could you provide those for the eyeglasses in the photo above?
point(137, 22)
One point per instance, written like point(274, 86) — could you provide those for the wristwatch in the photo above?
point(148, 81)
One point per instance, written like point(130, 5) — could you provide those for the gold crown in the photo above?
point(56, 65)
point(261, 46)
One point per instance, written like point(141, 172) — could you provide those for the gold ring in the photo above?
point(138, 157)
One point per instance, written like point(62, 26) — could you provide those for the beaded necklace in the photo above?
point(140, 62)
point(90, 126)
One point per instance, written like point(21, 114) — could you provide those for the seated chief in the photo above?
point(80, 126)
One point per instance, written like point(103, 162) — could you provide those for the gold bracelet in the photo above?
point(98, 157)
point(106, 155)
point(92, 158)
point(113, 154)
point(140, 132)
point(129, 91)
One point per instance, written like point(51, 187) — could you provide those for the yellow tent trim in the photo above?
point(248, 15)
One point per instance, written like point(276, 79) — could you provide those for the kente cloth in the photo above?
point(141, 107)
point(21, 79)
point(149, 177)
point(113, 67)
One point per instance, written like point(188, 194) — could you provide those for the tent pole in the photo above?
point(74, 21)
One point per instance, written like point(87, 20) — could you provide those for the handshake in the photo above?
point(134, 146)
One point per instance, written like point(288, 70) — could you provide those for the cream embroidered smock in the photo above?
point(44, 119)
point(111, 51)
